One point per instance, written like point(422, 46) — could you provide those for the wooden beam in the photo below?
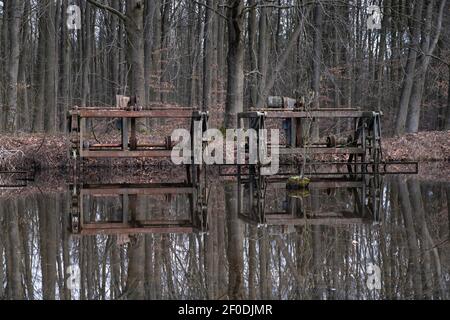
point(137, 191)
point(127, 154)
point(300, 151)
point(144, 230)
point(277, 220)
point(114, 113)
point(324, 113)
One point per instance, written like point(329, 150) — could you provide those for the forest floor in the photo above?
point(51, 151)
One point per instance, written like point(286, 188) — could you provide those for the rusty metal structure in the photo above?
point(362, 148)
point(84, 219)
point(315, 205)
point(129, 147)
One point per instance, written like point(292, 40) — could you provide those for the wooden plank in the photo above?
point(162, 222)
point(300, 151)
point(141, 223)
point(127, 154)
point(323, 184)
point(276, 220)
point(325, 113)
point(160, 113)
point(138, 191)
point(144, 230)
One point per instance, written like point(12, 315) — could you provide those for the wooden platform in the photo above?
point(129, 146)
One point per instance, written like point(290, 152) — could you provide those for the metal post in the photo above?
point(125, 209)
point(82, 133)
point(124, 134)
point(133, 139)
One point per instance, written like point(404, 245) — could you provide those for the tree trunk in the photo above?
point(253, 57)
point(447, 118)
point(165, 36)
point(150, 9)
point(317, 65)
point(235, 250)
point(15, 11)
point(427, 47)
point(13, 252)
point(209, 39)
point(51, 69)
point(235, 61)
point(410, 69)
point(263, 52)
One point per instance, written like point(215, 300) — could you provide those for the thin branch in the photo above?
point(284, 56)
point(211, 8)
point(108, 8)
point(439, 27)
point(431, 56)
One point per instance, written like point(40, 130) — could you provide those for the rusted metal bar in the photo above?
point(114, 113)
point(275, 219)
point(140, 191)
point(127, 154)
point(288, 151)
point(105, 145)
point(119, 146)
point(76, 109)
point(138, 230)
point(323, 113)
point(325, 184)
point(161, 222)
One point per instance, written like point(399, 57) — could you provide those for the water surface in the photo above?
point(153, 236)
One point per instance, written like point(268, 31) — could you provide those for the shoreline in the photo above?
point(41, 151)
point(56, 181)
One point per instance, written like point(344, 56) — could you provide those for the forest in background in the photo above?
point(224, 56)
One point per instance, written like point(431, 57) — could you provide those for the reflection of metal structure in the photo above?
point(316, 205)
point(129, 146)
point(127, 222)
point(15, 179)
point(362, 147)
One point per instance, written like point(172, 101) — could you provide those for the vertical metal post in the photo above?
point(82, 133)
point(133, 138)
point(299, 133)
point(293, 132)
point(81, 221)
point(364, 147)
point(124, 134)
point(125, 209)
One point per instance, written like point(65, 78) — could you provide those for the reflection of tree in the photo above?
point(231, 260)
point(12, 251)
point(235, 246)
point(413, 247)
point(47, 243)
point(136, 254)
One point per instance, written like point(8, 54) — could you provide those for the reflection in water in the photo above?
point(258, 243)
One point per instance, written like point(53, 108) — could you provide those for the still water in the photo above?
point(151, 235)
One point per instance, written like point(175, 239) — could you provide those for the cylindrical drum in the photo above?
point(281, 102)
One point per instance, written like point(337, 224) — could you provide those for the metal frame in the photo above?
point(129, 146)
point(129, 224)
point(366, 191)
point(363, 147)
